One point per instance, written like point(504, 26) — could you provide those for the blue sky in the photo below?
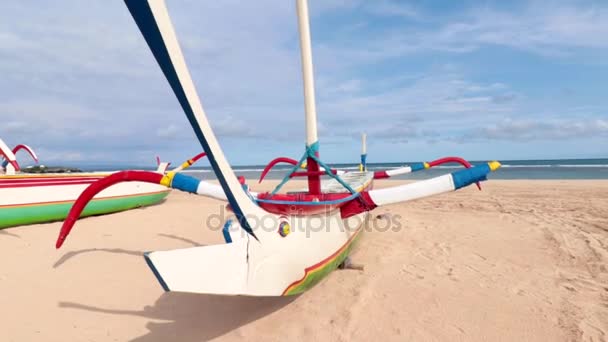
point(480, 79)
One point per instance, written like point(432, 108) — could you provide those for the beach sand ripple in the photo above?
point(521, 260)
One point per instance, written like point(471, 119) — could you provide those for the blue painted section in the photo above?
point(364, 161)
point(5, 163)
point(466, 177)
point(313, 148)
point(226, 231)
point(144, 18)
point(155, 271)
point(185, 183)
point(417, 167)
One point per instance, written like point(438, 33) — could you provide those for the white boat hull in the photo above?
point(27, 199)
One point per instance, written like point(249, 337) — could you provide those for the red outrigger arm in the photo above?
point(189, 162)
point(422, 166)
point(14, 151)
point(95, 188)
point(294, 162)
point(27, 149)
point(275, 162)
point(119, 177)
point(171, 179)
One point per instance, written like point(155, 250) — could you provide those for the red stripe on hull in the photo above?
point(37, 184)
point(72, 200)
point(31, 181)
point(321, 263)
point(9, 179)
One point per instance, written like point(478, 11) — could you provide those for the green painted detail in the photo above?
point(315, 276)
point(31, 214)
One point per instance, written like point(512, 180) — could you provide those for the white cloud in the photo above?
point(170, 131)
point(393, 9)
point(539, 29)
point(529, 130)
point(79, 73)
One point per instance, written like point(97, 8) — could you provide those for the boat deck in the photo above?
point(357, 180)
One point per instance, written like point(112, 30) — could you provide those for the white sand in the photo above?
point(522, 260)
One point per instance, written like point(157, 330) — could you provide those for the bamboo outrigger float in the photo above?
point(277, 243)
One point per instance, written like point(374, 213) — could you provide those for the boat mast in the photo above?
point(363, 165)
point(314, 181)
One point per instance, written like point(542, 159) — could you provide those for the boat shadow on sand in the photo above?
point(192, 317)
point(69, 255)
point(195, 317)
point(4, 232)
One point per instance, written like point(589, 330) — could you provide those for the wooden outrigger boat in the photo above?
point(27, 198)
point(276, 243)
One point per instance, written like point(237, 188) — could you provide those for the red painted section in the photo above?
point(446, 160)
point(197, 157)
point(314, 181)
point(25, 147)
point(303, 210)
point(380, 174)
point(299, 209)
point(97, 187)
point(13, 180)
point(309, 173)
point(358, 205)
point(458, 160)
point(321, 263)
point(33, 184)
point(275, 162)
point(68, 201)
point(21, 182)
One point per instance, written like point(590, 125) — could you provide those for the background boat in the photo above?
point(29, 198)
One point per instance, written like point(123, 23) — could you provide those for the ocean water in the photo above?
point(511, 169)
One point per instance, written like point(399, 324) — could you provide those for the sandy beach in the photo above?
point(519, 261)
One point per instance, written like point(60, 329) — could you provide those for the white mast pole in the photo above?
point(363, 165)
point(363, 143)
point(307, 72)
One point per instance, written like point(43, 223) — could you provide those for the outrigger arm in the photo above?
point(364, 201)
